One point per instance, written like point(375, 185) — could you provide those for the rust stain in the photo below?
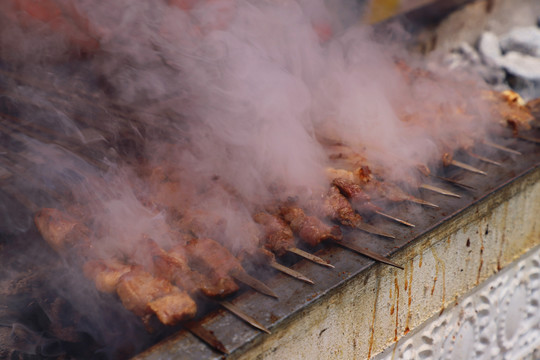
point(372, 326)
point(409, 301)
point(443, 265)
point(396, 286)
point(439, 264)
point(481, 256)
point(503, 237)
point(420, 261)
point(437, 260)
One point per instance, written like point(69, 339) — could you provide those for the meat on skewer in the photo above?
point(278, 236)
point(382, 189)
point(336, 207)
point(63, 233)
point(251, 253)
point(309, 229)
point(144, 295)
point(174, 265)
point(313, 231)
point(138, 290)
point(209, 256)
point(358, 197)
point(510, 107)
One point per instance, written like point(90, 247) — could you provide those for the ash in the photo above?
point(508, 61)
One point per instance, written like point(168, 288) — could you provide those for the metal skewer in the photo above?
point(255, 284)
point(484, 159)
point(207, 336)
point(500, 147)
point(372, 229)
point(421, 202)
point(242, 315)
point(290, 272)
point(363, 251)
point(455, 182)
point(467, 167)
point(394, 218)
point(310, 257)
point(439, 190)
point(529, 138)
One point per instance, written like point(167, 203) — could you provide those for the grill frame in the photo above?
point(298, 300)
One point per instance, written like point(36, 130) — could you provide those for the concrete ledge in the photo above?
point(379, 306)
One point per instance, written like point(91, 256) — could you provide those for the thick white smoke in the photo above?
point(236, 94)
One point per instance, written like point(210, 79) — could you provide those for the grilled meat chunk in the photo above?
point(212, 259)
point(144, 295)
point(60, 231)
point(358, 197)
point(309, 229)
point(106, 274)
point(278, 236)
point(336, 207)
point(381, 189)
point(139, 291)
point(173, 265)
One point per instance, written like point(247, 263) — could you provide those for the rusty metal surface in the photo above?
point(296, 297)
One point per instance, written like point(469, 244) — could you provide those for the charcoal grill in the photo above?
point(451, 249)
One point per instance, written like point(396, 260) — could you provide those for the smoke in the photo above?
point(217, 108)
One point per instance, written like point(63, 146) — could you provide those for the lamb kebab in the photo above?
point(352, 158)
point(507, 107)
point(336, 207)
point(313, 231)
point(360, 200)
point(362, 175)
point(173, 265)
point(136, 288)
point(279, 238)
point(200, 222)
point(139, 291)
point(384, 190)
point(164, 195)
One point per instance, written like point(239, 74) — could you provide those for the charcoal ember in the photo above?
point(525, 40)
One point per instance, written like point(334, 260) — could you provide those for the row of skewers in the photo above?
point(168, 287)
